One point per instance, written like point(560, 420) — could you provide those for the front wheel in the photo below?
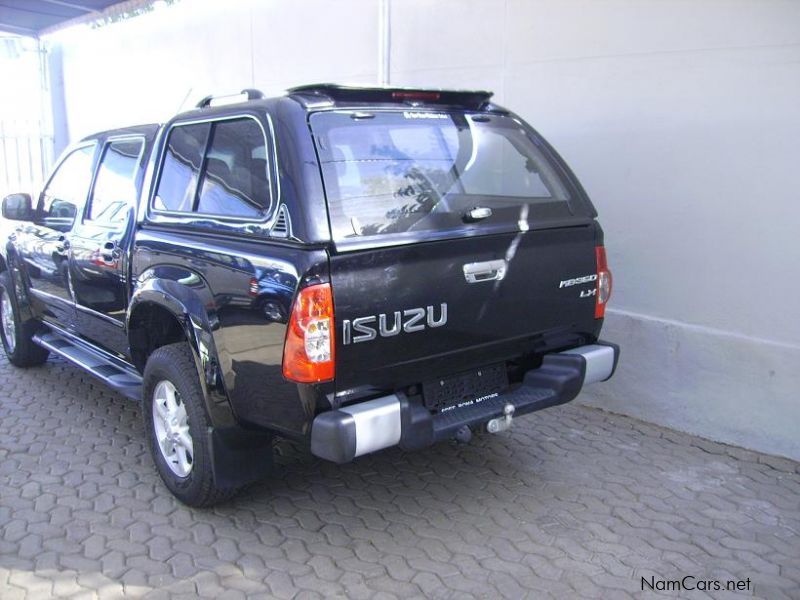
point(176, 425)
point(16, 334)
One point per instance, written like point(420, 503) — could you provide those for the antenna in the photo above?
point(183, 102)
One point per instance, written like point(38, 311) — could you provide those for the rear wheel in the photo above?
point(16, 334)
point(176, 425)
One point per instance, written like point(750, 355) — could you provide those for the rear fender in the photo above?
point(186, 295)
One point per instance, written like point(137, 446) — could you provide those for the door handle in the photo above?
point(111, 251)
point(490, 270)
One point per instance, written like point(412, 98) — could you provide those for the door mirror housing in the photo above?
point(17, 207)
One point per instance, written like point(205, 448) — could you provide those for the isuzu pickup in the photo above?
point(355, 268)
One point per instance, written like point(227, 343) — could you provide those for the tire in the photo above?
point(185, 468)
point(16, 335)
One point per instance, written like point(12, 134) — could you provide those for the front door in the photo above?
point(44, 245)
point(99, 243)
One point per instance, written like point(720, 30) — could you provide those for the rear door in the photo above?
point(98, 256)
point(460, 243)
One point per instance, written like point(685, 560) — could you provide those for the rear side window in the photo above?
point(115, 184)
point(235, 180)
point(217, 168)
point(398, 172)
point(181, 170)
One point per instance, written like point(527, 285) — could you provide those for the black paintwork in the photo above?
point(487, 321)
point(229, 284)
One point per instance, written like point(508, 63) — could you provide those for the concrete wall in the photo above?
point(148, 68)
point(681, 119)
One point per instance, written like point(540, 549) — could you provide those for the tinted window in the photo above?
point(115, 187)
point(65, 194)
point(402, 171)
point(502, 167)
point(181, 169)
point(235, 180)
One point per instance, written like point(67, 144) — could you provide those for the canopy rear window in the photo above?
point(402, 172)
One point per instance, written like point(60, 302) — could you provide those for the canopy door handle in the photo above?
point(490, 270)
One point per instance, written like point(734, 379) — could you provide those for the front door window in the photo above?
point(65, 195)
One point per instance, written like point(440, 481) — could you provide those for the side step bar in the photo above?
point(114, 373)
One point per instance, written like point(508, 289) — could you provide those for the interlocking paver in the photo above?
point(572, 501)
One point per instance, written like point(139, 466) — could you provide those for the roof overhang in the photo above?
point(36, 17)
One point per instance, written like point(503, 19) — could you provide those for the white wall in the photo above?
point(147, 68)
point(681, 118)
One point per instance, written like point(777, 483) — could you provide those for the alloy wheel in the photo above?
point(171, 428)
point(9, 325)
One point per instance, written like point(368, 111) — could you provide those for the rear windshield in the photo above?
point(398, 172)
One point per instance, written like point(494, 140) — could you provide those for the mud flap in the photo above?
point(239, 456)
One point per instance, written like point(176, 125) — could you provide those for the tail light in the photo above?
point(308, 354)
point(604, 283)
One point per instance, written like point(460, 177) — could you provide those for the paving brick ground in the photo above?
point(572, 502)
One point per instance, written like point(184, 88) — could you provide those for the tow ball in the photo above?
point(502, 423)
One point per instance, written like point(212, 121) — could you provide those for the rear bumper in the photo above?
point(352, 431)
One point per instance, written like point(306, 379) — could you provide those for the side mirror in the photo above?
point(17, 207)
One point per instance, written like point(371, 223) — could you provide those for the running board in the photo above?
point(109, 370)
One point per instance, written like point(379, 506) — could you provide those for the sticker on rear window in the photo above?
point(424, 115)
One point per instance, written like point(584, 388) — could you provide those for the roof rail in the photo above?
point(250, 93)
point(471, 99)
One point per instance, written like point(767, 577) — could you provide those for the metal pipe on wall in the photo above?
point(384, 41)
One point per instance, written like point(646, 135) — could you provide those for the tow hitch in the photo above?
point(502, 423)
point(464, 434)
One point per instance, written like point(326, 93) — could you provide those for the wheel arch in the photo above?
point(163, 311)
point(11, 263)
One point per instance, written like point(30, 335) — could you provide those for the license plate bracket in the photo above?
point(464, 389)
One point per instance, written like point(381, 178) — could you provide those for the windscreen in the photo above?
point(397, 172)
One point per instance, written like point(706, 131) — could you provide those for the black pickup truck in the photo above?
point(356, 268)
